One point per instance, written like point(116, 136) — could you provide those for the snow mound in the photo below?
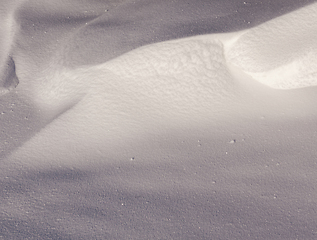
point(169, 85)
point(176, 74)
point(281, 53)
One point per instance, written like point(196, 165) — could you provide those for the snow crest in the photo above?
point(170, 85)
point(281, 53)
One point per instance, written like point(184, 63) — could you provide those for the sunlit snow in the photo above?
point(205, 137)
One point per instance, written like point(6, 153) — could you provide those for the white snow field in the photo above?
point(205, 137)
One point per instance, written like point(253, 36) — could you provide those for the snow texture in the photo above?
point(191, 138)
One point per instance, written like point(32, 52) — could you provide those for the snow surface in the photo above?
point(280, 53)
point(174, 140)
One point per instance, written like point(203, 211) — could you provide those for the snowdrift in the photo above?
point(206, 137)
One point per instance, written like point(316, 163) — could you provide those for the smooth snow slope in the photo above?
point(168, 141)
point(178, 84)
point(50, 36)
point(281, 53)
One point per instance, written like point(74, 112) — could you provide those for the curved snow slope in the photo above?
point(169, 86)
point(168, 141)
point(177, 73)
point(146, 96)
point(281, 53)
